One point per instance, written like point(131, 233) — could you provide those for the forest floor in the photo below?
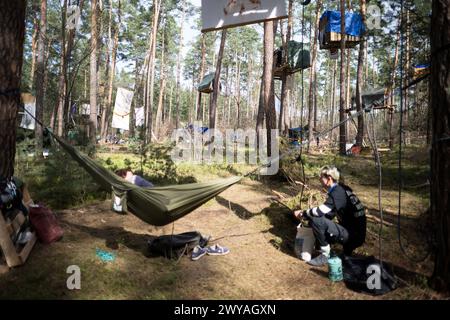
point(244, 218)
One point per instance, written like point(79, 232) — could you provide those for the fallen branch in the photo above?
point(378, 220)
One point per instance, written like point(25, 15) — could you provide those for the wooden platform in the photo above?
point(332, 40)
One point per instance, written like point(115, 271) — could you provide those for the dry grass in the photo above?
point(259, 233)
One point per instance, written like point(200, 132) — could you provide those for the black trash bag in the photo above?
point(358, 276)
point(174, 246)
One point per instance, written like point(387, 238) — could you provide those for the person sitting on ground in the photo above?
point(341, 202)
point(128, 175)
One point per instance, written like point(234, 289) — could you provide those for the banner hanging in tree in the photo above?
point(221, 14)
point(121, 115)
point(29, 103)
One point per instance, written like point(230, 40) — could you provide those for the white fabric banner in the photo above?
point(27, 121)
point(121, 115)
point(219, 14)
point(139, 116)
point(85, 109)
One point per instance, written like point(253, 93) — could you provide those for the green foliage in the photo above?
point(57, 181)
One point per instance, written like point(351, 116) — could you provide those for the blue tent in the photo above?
point(353, 23)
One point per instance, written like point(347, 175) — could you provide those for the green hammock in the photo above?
point(157, 205)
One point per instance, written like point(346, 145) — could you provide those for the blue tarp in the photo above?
point(422, 66)
point(353, 23)
point(201, 130)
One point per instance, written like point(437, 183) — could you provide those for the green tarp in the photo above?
point(371, 96)
point(206, 85)
point(299, 57)
point(157, 205)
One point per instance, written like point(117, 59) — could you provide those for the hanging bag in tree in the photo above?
point(119, 201)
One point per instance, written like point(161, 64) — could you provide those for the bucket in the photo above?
point(304, 242)
point(335, 269)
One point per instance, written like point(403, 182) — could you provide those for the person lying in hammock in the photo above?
point(128, 175)
point(341, 202)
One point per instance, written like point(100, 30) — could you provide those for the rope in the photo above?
point(373, 142)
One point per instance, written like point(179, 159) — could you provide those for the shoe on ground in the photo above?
point(217, 250)
point(319, 261)
point(197, 253)
point(24, 237)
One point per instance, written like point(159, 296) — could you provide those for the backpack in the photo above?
point(11, 197)
point(45, 224)
point(353, 203)
point(174, 246)
point(354, 220)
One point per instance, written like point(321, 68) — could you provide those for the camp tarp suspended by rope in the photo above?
point(299, 58)
point(157, 205)
point(371, 96)
point(207, 83)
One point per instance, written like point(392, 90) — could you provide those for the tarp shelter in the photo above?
point(421, 70)
point(298, 58)
point(371, 96)
point(330, 29)
point(207, 83)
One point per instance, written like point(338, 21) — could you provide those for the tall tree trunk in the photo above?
point(200, 77)
point(342, 128)
point(93, 87)
point(286, 79)
point(12, 24)
point(151, 71)
point(333, 93)
point(312, 75)
point(34, 41)
point(407, 78)
point(39, 78)
point(162, 85)
point(269, 99)
point(359, 80)
point(238, 89)
point(63, 72)
point(137, 89)
point(106, 115)
point(180, 48)
point(109, 46)
point(440, 151)
point(390, 93)
point(215, 93)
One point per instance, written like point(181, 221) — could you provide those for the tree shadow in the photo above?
point(284, 227)
point(239, 210)
point(114, 236)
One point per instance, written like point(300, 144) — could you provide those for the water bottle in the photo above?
point(335, 269)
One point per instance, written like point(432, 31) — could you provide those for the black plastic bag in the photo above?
point(174, 246)
point(368, 275)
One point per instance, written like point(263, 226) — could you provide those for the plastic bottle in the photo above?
point(335, 269)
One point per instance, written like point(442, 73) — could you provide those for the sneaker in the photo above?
point(24, 237)
point(318, 261)
point(217, 250)
point(197, 253)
